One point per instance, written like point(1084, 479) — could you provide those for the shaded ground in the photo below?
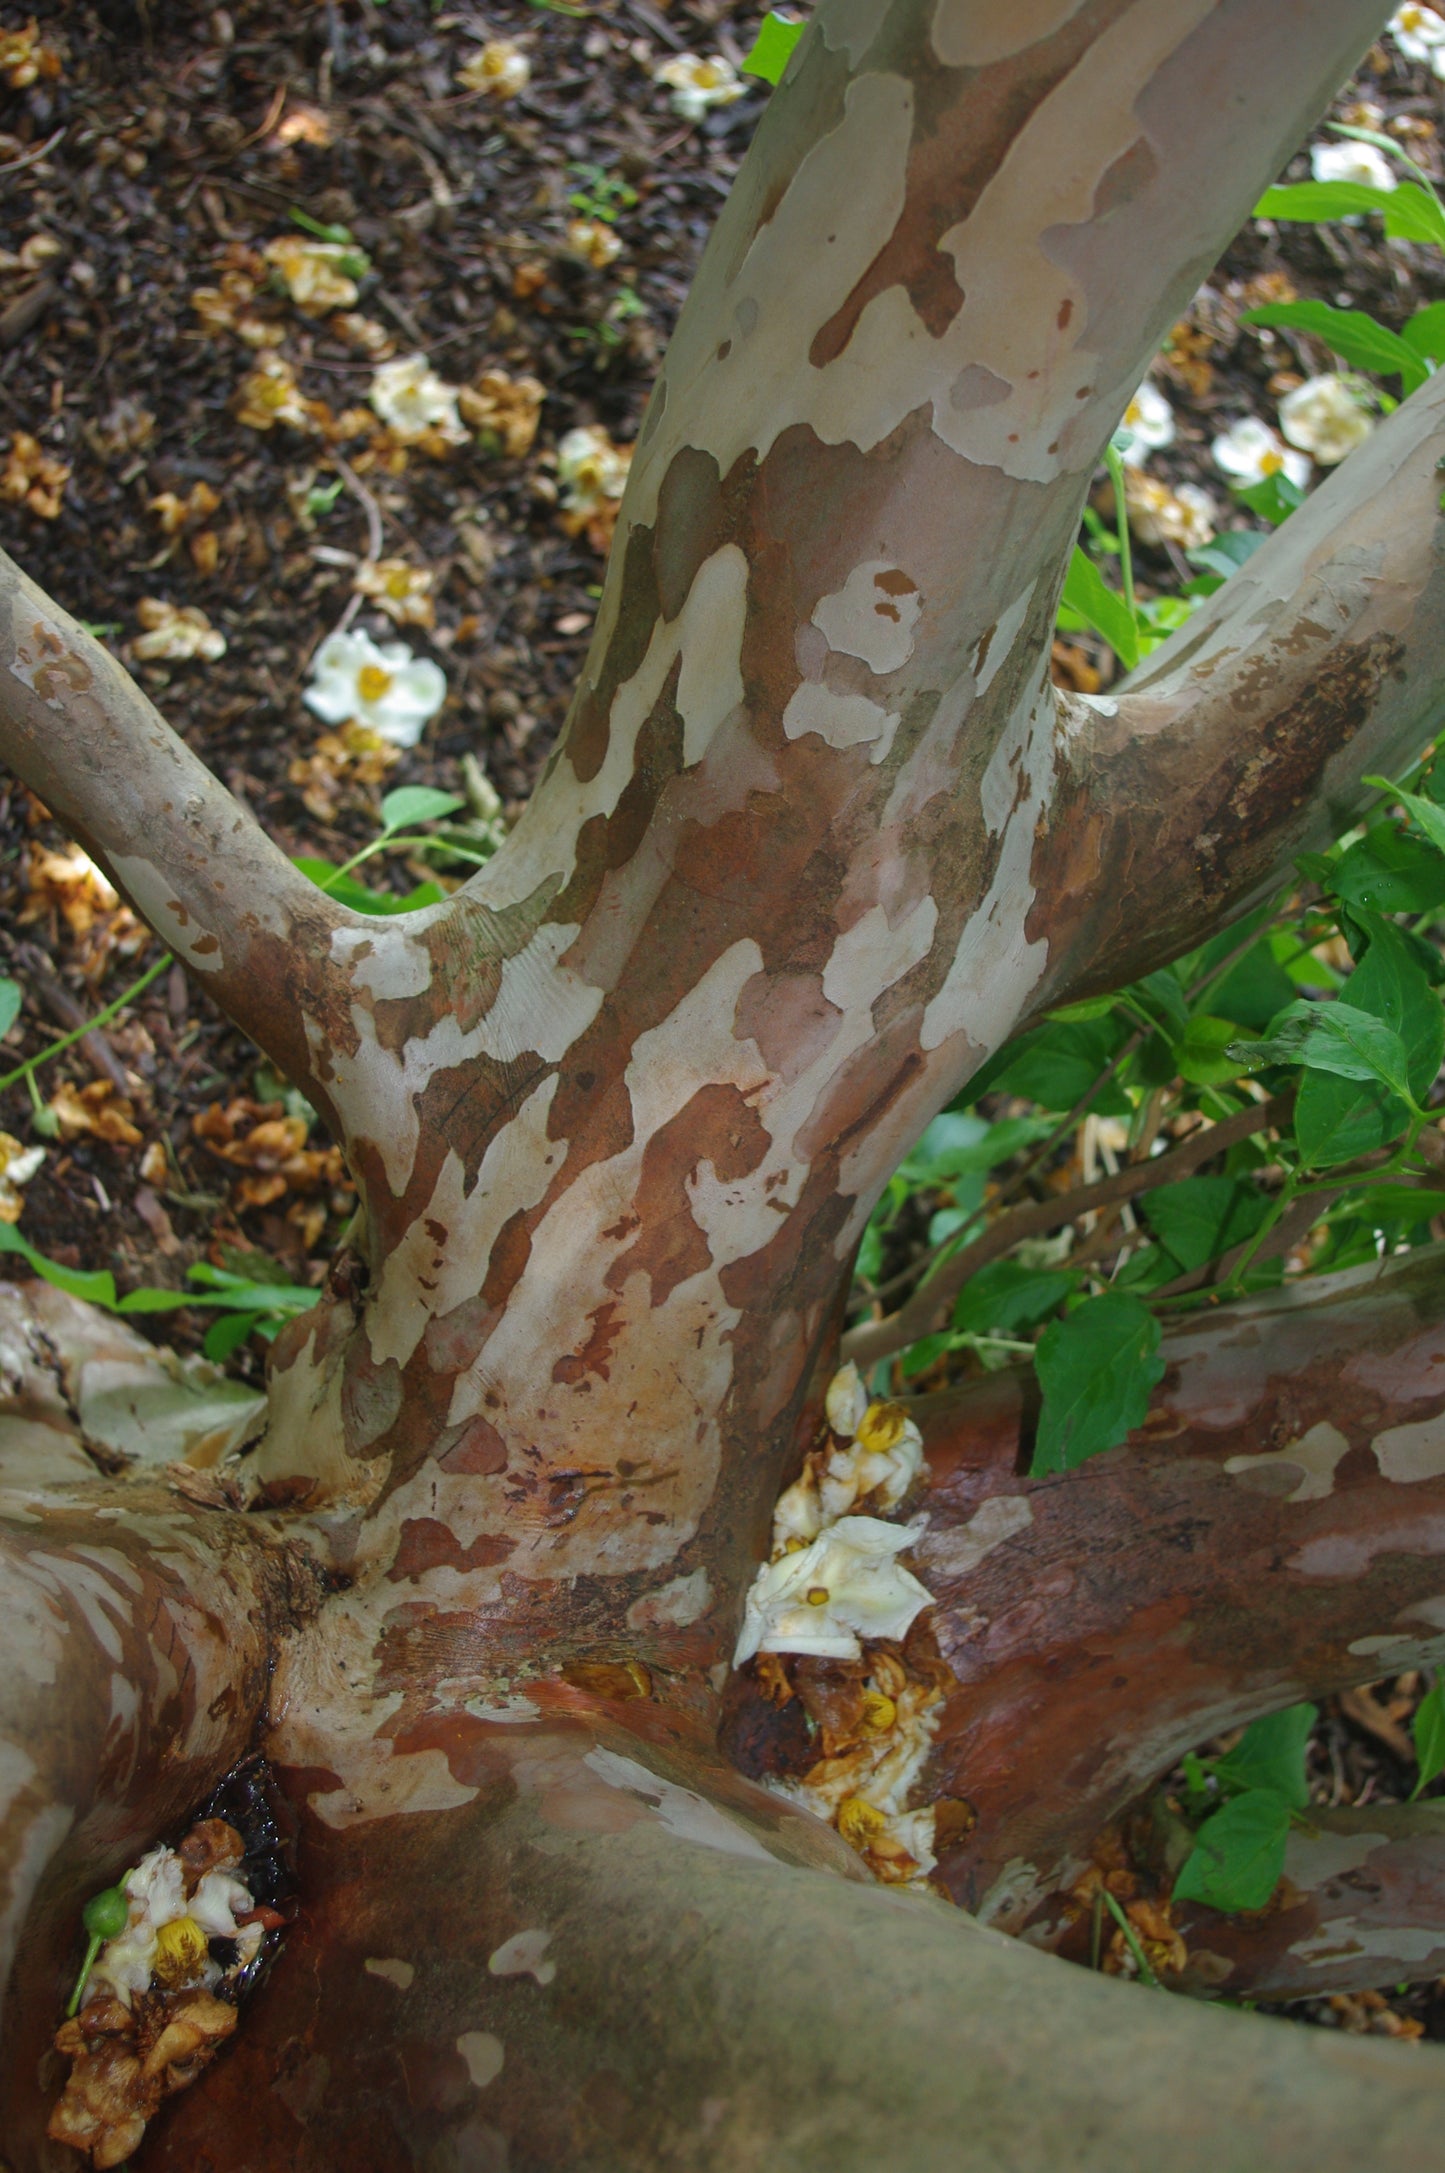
point(159, 148)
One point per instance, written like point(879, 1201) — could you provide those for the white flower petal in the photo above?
point(846, 1401)
point(1323, 418)
point(1351, 161)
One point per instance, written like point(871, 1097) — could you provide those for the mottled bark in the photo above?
point(820, 837)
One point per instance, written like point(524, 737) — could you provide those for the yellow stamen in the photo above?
point(180, 1950)
point(859, 1823)
point(372, 682)
point(817, 1595)
point(1270, 463)
point(879, 1712)
point(882, 1427)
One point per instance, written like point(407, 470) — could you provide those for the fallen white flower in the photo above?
point(412, 401)
point(312, 272)
point(825, 1597)
point(590, 468)
point(501, 68)
point(1150, 421)
point(17, 1166)
point(592, 241)
point(1419, 33)
point(1351, 161)
point(1324, 418)
point(697, 84)
point(1250, 452)
point(383, 687)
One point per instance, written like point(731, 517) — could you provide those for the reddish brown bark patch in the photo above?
point(427, 1543)
point(716, 1126)
point(596, 1352)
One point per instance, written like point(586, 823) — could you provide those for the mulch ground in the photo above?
point(158, 148)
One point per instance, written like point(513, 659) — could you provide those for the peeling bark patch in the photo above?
point(1408, 1454)
point(426, 1544)
point(522, 1956)
point(717, 1126)
point(681, 1810)
point(477, 1451)
point(391, 1971)
point(483, 2054)
point(1308, 1463)
point(592, 1359)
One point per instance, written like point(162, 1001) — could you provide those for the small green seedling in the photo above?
point(104, 1916)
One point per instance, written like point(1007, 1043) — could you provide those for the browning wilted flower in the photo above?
point(822, 1598)
point(1325, 418)
point(24, 58)
point(1158, 514)
point(228, 306)
point(403, 592)
point(270, 394)
point(32, 477)
point(501, 69)
point(176, 513)
point(593, 474)
point(173, 634)
point(416, 405)
point(317, 274)
point(363, 335)
point(508, 407)
point(697, 84)
point(593, 242)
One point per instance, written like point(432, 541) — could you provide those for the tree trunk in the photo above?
point(820, 838)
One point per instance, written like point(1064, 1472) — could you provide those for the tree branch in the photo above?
point(1242, 740)
point(78, 730)
point(1363, 1905)
point(927, 1309)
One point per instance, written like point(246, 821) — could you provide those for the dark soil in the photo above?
point(173, 134)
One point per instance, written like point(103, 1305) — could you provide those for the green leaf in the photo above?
point(1409, 212)
point(12, 995)
point(1200, 1056)
point(1098, 606)
point(1055, 1066)
point(96, 1286)
point(922, 1353)
point(1201, 1217)
point(772, 48)
point(1096, 1369)
point(1335, 1037)
point(1238, 1856)
point(1273, 500)
point(1429, 1735)
point(347, 891)
point(1005, 1296)
point(1389, 1207)
point(1425, 332)
point(1352, 333)
point(1391, 871)
point(1225, 554)
point(1271, 1754)
point(411, 804)
point(228, 1334)
point(1429, 816)
point(1334, 1123)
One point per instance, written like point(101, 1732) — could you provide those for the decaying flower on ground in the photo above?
point(416, 405)
point(507, 407)
point(228, 306)
point(356, 756)
point(94, 1111)
point(68, 886)
point(593, 474)
point(1157, 514)
point(593, 242)
point(25, 58)
point(1325, 417)
point(269, 1146)
point(175, 513)
point(501, 69)
point(32, 477)
point(403, 592)
point(316, 274)
point(175, 633)
point(363, 335)
point(698, 84)
point(18, 1164)
point(395, 693)
point(174, 1949)
point(270, 394)
point(124, 428)
point(1250, 452)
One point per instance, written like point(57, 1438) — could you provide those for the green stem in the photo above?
point(92, 1949)
point(126, 996)
point(1131, 1941)
point(1114, 462)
